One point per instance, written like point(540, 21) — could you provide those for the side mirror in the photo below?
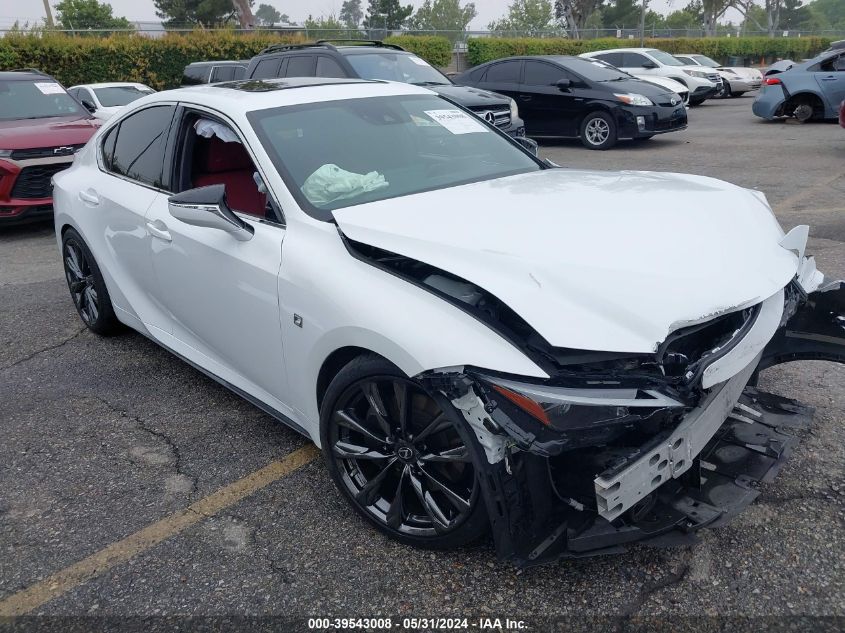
point(89, 106)
point(563, 84)
point(529, 144)
point(649, 65)
point(207, 207)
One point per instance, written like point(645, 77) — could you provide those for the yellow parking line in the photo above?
point(63, 581)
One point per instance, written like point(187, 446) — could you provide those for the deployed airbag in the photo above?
point(330, 183)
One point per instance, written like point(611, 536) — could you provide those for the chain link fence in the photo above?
point(458, 38)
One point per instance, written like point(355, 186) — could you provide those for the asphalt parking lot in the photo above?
point(130, 484)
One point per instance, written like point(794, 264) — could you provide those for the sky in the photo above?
point(298, 10)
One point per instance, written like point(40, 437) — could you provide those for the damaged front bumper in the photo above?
point(697, 466)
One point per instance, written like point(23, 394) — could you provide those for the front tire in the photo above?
point(402, 462)
point(87, 286)
point(598, 131)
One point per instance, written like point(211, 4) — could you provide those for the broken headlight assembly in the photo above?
point(567, 409)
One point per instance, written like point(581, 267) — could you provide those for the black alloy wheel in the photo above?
point(86, 285)
point(403, 463)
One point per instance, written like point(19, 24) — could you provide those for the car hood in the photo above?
point(609, 261)
point(470, 97)
point(49, 132)
point(636, 85)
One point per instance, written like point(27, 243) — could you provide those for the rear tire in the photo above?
point(598, 131)
point(413, 476)
point(87, 286)
point(734, 95)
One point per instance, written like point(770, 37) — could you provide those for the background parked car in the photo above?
point(842, 114)
point(377, 60)
point(41, 126)
point(736, 80)
point(807, 90)
point(571, 97)
point(702, 83)
point(213, 72)
point(664, 82)
point(103, 100)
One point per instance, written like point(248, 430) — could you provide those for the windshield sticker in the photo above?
point(49, 88)
point(456, 121)
point(418, 61)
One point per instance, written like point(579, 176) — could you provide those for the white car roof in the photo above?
point(621, 50)
point(112, 84)
point(259, 94)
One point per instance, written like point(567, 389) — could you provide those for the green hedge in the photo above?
point(485, 49)
point(434, 49)
point(158, 62)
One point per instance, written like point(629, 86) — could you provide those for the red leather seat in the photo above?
point(229, 164)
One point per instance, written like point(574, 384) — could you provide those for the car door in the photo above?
point(503, 77)
point(546, 109)
point(221, 293)
point(831, 80)
point(128, 180)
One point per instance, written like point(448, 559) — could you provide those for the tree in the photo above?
point(326, 27)
point(268, 15)
point(351, 13)
point(81, 15)
point(243, 9)
point(443, 15)
point(49, 18)
point(527, 17)
point(682, 19)
point(621, 14)
point(387, 14)
point(177, 13)
point(574, 14)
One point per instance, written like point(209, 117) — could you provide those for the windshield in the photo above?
point(24, 99)
point(408, 69)
point(342, 153)
point(119, 95)
point(664, 58)
point(596, 69)
point(706, 61)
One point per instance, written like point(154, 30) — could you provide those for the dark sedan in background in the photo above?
point(572, 97)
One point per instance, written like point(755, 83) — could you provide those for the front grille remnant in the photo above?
point(34, 181)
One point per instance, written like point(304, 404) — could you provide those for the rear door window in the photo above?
point(222, 73)
point(267, 69)
point(614, 59)
point(504, 72)
point(301, 66)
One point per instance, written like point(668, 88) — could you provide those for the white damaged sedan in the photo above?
point(478, 340)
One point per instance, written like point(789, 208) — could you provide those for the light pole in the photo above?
point(49, 13)
point(642, 24)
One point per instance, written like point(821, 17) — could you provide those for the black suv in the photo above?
point(212, 72)
point(377, 60)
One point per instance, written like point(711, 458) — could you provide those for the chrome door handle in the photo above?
point(158, 229)
point(89, 197)
point(828, 78)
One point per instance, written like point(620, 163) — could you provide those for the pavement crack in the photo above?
point(649, 589)
point(49, 348)
point(142, 425)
